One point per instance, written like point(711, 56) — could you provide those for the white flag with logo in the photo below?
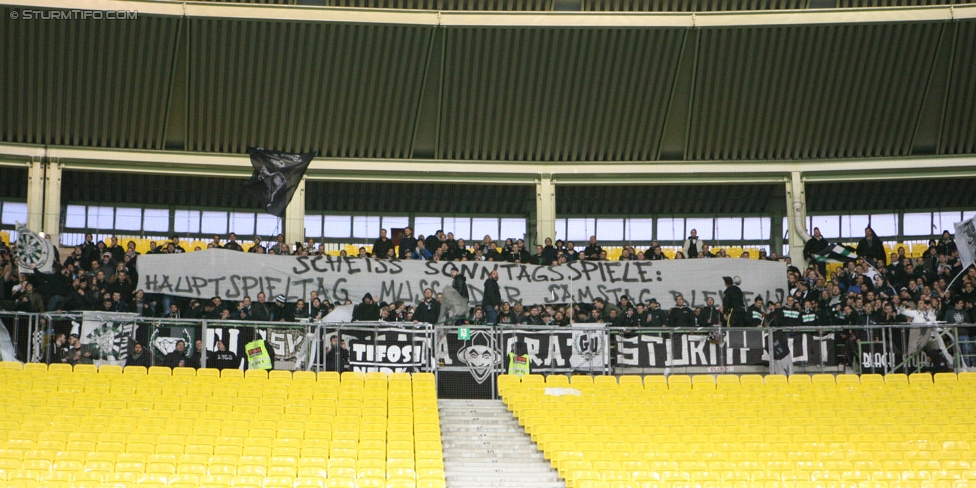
point(966, 241)
point(33, 252)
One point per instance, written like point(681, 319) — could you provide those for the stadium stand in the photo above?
point(88, 427)
point(749, 431)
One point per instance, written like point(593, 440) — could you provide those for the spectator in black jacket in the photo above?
point(336, 355)
point(367, 311)
point(492, 298)
point(428, 310)
point(816, 244)
point(870, 247)
point(382, 245)
point(139, 357)
point(224, 359)
point(681, 315)
point(177, 358)
point(408, 243)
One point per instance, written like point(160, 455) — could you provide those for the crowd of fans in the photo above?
point(875, 289)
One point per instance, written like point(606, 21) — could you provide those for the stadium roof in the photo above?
point(495, 86)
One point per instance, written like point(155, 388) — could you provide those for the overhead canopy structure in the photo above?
point(495, 86)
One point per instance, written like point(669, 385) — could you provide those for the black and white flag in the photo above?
point(33, 252)
point(966, 241)
point(276, 177)
point(837, 253)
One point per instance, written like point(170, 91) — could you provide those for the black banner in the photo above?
point(388, 349)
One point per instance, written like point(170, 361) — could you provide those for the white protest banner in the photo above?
point(966, 241)
point(234, 275)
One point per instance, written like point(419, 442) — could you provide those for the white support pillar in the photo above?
point(35, 194)
point(52, 200)
point(796, 204)
point(545, 209)
point(295, 216)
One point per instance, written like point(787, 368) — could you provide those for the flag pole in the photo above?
point(949, 286)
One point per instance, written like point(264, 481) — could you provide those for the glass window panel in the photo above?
point(242, 223)
point(186, 221)
point(268, 226)
point(756, 228)
point(917, 224)
point(313, 226)
point(852, 226)
point(481, 227)
point(214, 223)
point(460, 227)
point(128, 218)
point(829, 225)
point(514, 228)
point(967, 216)
point(610, 229)
point(786, 228)
point(885, 225)
point(390, 223)
point(70, 240)
point(561, 229)
point(580, 229)
point(155, 220)
point(669, 229)
point(14, 212)
point(339, 226)
point(425, 226)
point(705, 227)
point(74, 217)
point(101, 218)
point(944, 221)
point(728, 229)
point(640, 229)
point(366, 226)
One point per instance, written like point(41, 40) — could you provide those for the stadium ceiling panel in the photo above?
point(780, 85)
point(602, 5)
point(13, 183)
point(437, 199)
point(151, 189)
point(610, 200)
point(865, 196)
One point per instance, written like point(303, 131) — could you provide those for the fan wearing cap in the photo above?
point(279, 312)
point(367, 311)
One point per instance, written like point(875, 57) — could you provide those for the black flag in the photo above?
point(275, 178)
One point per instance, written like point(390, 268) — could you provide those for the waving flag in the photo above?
point(837, 253)
point(275, 178)
point(966, 241)
point(34, 253)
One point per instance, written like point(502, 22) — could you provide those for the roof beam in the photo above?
point(513, 19)
point(519, 172)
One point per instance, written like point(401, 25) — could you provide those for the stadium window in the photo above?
point(242, 223)
point(337, 226)
point(561, 229)
point(705, 227)
point(213, 223)
point(670, 229)
point(13, 212)
point(917, 224)
point(481, 227)
point(885, 225)
point(425, 226)
point(514, 228)
point(610, 229)
point(852, 226)
point(829, 225)
point(756, 228)
point(728, 229)
point(366, 227)
point(968, 215)
point(128, 218)
point(156, 220)
point(313, 226)
point(945, 221)
point(786, 228)
point(74, 217)
point(101, 218)
point(639, 230)
point(580, 229)
point(268, 225)
point(459, 226)
point(186, 222)
point(390, 223)
point(69, 239)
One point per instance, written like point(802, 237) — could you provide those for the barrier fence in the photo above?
point(468, 359)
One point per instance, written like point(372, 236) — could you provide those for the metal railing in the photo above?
point(468, 359)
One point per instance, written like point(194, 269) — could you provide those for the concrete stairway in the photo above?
point(484, 446)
